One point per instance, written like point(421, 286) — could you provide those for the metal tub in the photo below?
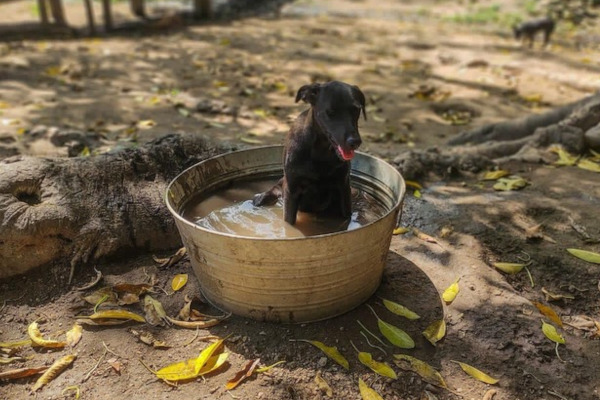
point(286, 280)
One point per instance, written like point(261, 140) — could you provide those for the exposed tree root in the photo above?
point(575, 126)
point(82, 209)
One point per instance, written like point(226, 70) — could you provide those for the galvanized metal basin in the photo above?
point(293, 279)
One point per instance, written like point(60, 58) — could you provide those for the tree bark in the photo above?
point(82, 209)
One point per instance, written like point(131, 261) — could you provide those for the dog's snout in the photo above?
point(354, 142)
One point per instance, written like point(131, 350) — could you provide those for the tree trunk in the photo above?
point(82, 209)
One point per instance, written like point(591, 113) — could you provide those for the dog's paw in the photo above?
point(264, 199)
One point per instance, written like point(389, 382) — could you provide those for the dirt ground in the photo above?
point(418, 63)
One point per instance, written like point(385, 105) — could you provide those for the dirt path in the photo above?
point(236, 82)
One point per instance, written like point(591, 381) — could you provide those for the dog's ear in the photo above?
point(360, 97)
point(308, 93)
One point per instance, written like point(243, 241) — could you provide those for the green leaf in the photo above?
point(551, 333)
point(585, 255)
point(399, 309)
point(435, 331)
point(366, 392)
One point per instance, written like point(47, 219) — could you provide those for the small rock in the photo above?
point(322, 362)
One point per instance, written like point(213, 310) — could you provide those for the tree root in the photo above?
point(82, 209)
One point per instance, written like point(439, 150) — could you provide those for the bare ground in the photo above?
point(243, 75)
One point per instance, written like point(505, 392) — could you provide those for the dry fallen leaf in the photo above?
point(74, 335)
point(146, 124)
point(450, 293)
point(21, 373)
point(495, 175)
point(149, 339)
point(378, 367)
point(435, 331)
point(556, 297)
point(241, 375)
point(154, 311)
point(400, 231)
point(323, 385)
point(55, 369)
point(548, 312)
point(426, 371)
point(477, 374)
point(511, 183)
point(179, 281)
point(424, 236)
point(366, 392)
point(331, 352)
point(206, 362)
point(170, 261)
point(36, 337)
point(115, 314)
point(588, 165)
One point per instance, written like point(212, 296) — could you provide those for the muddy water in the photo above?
point(230, 210)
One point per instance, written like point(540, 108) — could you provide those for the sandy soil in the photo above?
point(235, 82)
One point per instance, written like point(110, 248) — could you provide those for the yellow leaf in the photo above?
point(323, 385)
point(511, 183)
point(53, 71)
point(74, 335)
point(206, 354)
point(267, 368)
point(424, 236)
point(494, 175)
point(85, 152)
point(548, 312)
point(250, 140)
point(376, 366)
point(435, 331)
point(55, 369)
point(450, 293)
point(4, 105)
point(37, 339)
point(589, 165)
point(331, 352)
point(154, 100)
point(477, 374)
point(400, 231)
point(16, 343)
point(179, 281)
point(564, 157)
point(532, 98)
point(366, 392)
point(509, 268)
point(186, 370)
point(146, 124)
point(399, 309)
point(585, 255)
point(259, 112)
point(116, 314)
point(417, 194)
point(21, 131)
point(551, 333)
point(426, 371)
point(414, 185)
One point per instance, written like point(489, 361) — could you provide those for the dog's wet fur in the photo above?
point(317, 153)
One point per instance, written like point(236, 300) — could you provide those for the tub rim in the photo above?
point(396, 205)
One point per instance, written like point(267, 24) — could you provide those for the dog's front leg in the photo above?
point(290, 206)
point(346, 200)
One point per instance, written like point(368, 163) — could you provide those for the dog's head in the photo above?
point(336, 108)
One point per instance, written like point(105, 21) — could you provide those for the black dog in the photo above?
point(528, 30)
point(318, 151)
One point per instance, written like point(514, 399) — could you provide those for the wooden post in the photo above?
point(43, 11)
point(202, 9)
point(58, 12)
point(106, 12)
point(137, 7)
point(90, 16)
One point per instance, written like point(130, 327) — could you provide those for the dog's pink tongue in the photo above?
point(346, 155)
